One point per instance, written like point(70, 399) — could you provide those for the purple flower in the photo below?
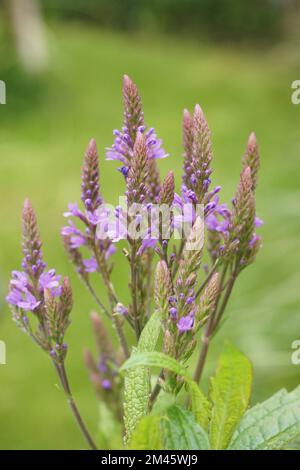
point(254, 240)
point(197, 155)
point(188, 195)
point(146, 243)
point(183, 209)
point(110, 251)
point(94, 217)
point(102, 367)
point(26, 289)
point(218, 218)
point(49, 280)
point(14, 297)
point(190, 300)
point(90, 265)
point(173, 312)
point(22, 299)
point(90, 194)
point(185, 323)
point(19, 280)
point(122, 148)
point(213, 223)
point(258, 222)
point(121, 309)
point(106, 384)
point(124, 170)
point(73, 211)
point(77, 238)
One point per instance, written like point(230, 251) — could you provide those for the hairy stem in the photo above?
point(121, 337)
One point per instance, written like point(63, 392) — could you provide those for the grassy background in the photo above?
point(44, 129)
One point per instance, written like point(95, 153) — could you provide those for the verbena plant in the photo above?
point(179, 292)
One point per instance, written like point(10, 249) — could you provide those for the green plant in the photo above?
point(186, 300)
point(222, 420)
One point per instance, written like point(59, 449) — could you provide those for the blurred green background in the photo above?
point(63, 74)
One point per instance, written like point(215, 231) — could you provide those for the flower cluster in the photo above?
point(184, 311)
point(189, 296)
point(73, 237)
point(197, 155)
point(40, 292)
point(232, 233)
point(123, 146)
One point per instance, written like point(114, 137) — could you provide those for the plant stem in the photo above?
point(60, 368)
point(212, 324)
point(225, 300)
point(134, 292)
point(97, 300)
point(204, 349)
point(121, 337)
point(149, 284)
point(156, 390)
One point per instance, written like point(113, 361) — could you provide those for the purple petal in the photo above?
point(185, 323)
point(258, 222)
point(90, 265)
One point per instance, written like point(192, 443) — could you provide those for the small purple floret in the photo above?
point(185, 323)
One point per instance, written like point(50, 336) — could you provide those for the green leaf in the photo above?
point(148, 434)
point(150, 333)
point(270, 425)
point(155, 359)
point(230, 395)
point(182, 432)
point(137, 381)
point(200, 405)
point(177, 429)
point(109, 429)
point(136, 397)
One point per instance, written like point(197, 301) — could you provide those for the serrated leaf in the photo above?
point(136, 398)
point(137, 381)
point(148, 434)
point(270, 425)
point(200, 405)
point(150, 333)
point(182, 432)
point(155, 359)
point(230, 395)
